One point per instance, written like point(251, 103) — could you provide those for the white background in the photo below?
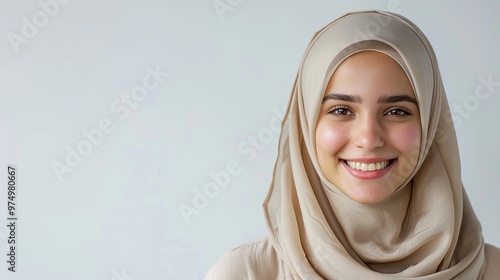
point(116, 214)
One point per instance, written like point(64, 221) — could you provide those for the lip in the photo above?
point(368, 160)
point(368, 175)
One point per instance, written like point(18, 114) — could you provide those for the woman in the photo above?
point(367, 183)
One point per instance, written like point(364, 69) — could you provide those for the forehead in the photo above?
point(369, 60)
point(369, 72)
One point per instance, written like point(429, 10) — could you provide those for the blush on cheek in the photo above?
point(409, 138)
point(329, 139)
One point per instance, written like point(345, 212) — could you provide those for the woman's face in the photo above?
point(368, 129)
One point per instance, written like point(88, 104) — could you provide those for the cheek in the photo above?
point(329, 139)
point(407, 138)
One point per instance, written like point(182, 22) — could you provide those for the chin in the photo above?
point(369, 194)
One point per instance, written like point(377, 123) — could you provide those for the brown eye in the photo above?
point(341, 111)
point(398, 112)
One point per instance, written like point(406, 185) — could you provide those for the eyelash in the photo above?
point(332, 111)
point(400, 112)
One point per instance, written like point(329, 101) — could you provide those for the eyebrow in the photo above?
point(342, 97)
point(357, 99)
point(397, 98)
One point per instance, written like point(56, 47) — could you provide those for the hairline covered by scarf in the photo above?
point(317, 230)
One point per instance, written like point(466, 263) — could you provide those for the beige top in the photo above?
point(257, 260)
point(426, 230)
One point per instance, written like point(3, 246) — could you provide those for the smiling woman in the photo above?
point(369, 122)
point(367, 182)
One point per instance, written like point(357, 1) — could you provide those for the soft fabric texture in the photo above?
point(426, 230)
point(257, 260)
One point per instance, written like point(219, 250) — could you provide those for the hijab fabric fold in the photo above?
point(427, 229)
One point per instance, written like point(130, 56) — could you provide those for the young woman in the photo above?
point(367, 182)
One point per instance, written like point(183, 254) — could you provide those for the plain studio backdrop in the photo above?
point(144, 133)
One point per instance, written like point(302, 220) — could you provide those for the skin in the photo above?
point(358, 121)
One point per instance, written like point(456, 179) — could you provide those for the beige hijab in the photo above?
point(426, 230)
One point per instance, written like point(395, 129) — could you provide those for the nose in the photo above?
point(368, 133)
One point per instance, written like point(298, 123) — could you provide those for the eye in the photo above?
point(340, 111)
point(398, 112)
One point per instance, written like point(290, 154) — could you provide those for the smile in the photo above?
point(369, 170)
point(364, 166)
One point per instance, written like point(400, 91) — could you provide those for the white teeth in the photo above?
point(363, 166)
point(371, 166)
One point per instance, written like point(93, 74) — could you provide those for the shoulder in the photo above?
point(492, 255)
point(252, 260)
